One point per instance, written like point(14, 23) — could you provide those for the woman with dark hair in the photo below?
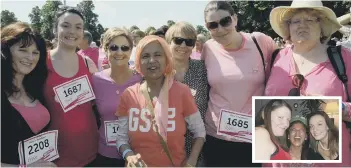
point(271, 122)
point(235, 72)
point(297, 138)
point(68, 93)
point(23, 67)
point(324, 137)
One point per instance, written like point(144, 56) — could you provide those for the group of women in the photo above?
point(283, 137)
point(166, 111)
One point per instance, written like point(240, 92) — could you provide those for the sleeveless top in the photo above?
point(77, 128)
point(280, 154)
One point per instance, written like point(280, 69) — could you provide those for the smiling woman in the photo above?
point(271, 122)
point(23, 74)
point(68, 93)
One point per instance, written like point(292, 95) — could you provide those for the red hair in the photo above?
point(147, 40)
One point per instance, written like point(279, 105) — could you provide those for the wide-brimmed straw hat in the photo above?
point(277, 17)
point(344, 19)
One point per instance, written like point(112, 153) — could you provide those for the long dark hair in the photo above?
point(33, 82)
point(266, 111)
point(333, 134)
point(306, 143)
point(62, 11)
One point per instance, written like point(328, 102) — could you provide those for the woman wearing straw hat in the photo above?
point(304, 67)
point(155, 113)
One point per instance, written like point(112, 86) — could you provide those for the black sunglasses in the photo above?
point(224, 22)
point(188, 42)
point(297, 81)
point(114, 47)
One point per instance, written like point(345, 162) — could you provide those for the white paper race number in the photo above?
point(235, 125)
point(42, 146)
point(74, 92)
point(111, 128)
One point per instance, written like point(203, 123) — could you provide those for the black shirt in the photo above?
point(13, 130)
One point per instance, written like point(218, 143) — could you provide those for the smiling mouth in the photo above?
point(26, 63)
point(71, 38)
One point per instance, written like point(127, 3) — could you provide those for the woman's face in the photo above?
point(222, 33)
point(280, 119)
point(153, 61)
point(318, 127)
point(70, 30)
point(297, 134)
point(179, 48)
point(304, 27)
point(119, 51)
point(24, 59)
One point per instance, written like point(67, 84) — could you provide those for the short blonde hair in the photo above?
point(114, 32)
point(181, 28)
point(320, 16)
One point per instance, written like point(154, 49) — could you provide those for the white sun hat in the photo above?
point(277, 17)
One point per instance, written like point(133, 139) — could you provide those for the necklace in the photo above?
point(324, 148)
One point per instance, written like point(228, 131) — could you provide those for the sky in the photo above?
point(120, 13)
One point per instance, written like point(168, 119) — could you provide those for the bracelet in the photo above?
point(125, 152)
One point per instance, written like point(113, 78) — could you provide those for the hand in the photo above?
point(135, 161)
point(42, 163)
point(189, 163)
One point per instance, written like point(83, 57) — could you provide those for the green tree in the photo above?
point(134, 27)
point(47, 13)
point(170, 23)
point(35, 18)
point(91, 22)
point(7, 17)
point(149, 29)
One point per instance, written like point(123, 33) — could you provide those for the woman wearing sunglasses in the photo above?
point(181, 37)
point(304, 68)
point(153, 115)
point(235, 73)
point(108, 85)
point(69, 94)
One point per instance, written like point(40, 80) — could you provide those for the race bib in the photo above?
point(42, 146)
point(74, 93)
point(235, 125)
point(111, 129)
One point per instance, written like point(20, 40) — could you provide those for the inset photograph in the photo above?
point(296, 129)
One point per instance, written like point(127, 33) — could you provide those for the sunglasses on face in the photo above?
point(224, 22)
point(114, 47)
point(297, 81)
point(188, 42)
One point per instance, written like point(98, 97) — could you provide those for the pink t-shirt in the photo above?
point(92, 53)
point(37, 117)
point(322, 80)
point(234, 76)
point(195, 55)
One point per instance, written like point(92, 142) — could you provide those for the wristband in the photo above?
point(125, 152)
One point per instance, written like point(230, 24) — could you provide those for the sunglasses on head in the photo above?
point(188, 42)
point(224, 22)
point(297, 81)
point(114, 47)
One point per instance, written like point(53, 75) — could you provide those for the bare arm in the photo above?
point(264, 146)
